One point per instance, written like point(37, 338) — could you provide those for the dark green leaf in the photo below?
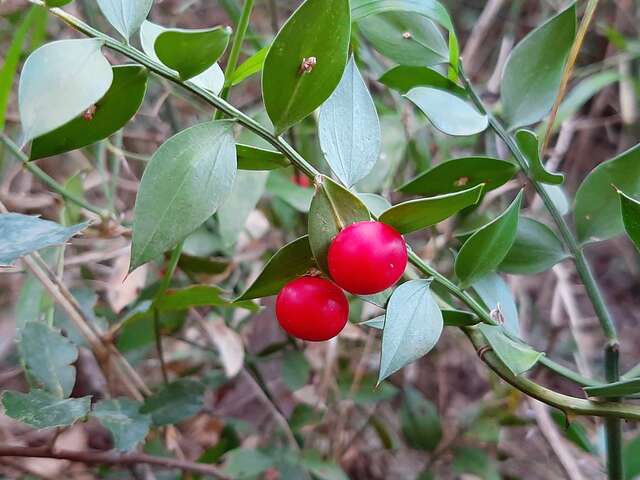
point(412, 327)
point(461, 173)
point(254, 158)
point(631, 458)
point(405, 38)
point(250, 66)
point(574, 431)
point(23, 234)
point(198, 296)
point(126, 16)
point(528, 144)
point(483, 252)
point(49, 357)
point(496, 295)
point(421, 213)
point(184, 183)
point(195, 264)
point(517, 357)
point(475, 461)
point(623, 388)
point(420, 421)
point(405, 77)
point(288, 263)
point(138, 328)
point(57, 3)
point(349, 129)
point(369, 393)
point(458, 318)
point(333, 207)
point(122, 417)
point(59, 81)
point(535, 249)
point(191, 52)
point(42, 409)
point(447, 112)
point(318, 29)
point(295, 370)
point(630, 208)
point(175, 402)
point(597, 208)
point(534, 68)
point(246, 463)
point(293, 195)
point(113, 111)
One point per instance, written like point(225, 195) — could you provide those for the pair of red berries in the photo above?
point(364, 258)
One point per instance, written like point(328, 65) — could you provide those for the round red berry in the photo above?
point(312, 308)
point(367, 257)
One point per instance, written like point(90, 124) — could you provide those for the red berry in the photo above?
point(312, 308)
point(367, 257)
point(301, 180)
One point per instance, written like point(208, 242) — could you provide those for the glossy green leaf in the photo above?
point(534, 68)
point(349, 129)
point(332, 208)
point(375, 203)
point(528, 143)
point(126, 16)
point(191, 52)
point(294, 195)
point(420, 421)
point(41, 409)
point(49, 357)
point(597, 208)
point(184, 183)
point(198, 296)
point(295, 370)
point(112, 112)
point(254, 158)
point(122, 417)
point(414, 215)
point(517, 357)
point(59, 81)
point(412, 327)
point(318, 29)
point(483, 252)
point(211, 79)
point(458, 318)
point(405, 77)
point(23, 234)
point(536, 249)
point(447, 112)
point(175, 402)
point(249, 67)
point(623, 388)
point(496, 295)
point(405, 38)
point(288, 263)
point(630, 208)
point(460, 174)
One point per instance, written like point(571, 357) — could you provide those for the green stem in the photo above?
point(567, 373)
point(49, 181)
point(613, 426)
point(171, 268)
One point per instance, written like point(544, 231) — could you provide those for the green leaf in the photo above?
point(174, 402)
point(375, 322)
point(412, 327)
point(319, 29)
point(420, 421)
point(405, 77)
point(191, 52)
point(517, 357)
point(295, 370)
point(536, 249)
point(249, 67)
point(528, 143)
point(24, 234)
point(211, 79)
point(184, 183)
point(534, 68)
point(57, 3)
point(126, 16)
point(623, 388)
point(333, 207)
point(414, 215)
point(458, 318)
point(630, 208)
point(369, 392)
point(288, 263)
point(198, 296)
point(631, 458)
point(113, 111)
point(323, 469)
point(447, 112)
point(460, 174)
point(122, 417)
point(281, 186)
point(254, 158)
point(558, 197)
point(246, 463)
point(49, 357)
point(496, 295)
point(42, 409)
point(483, 252)
point(349, 129)
point(574, 431)
point(376, 204)
point(59, 81)
point(405, 38)
point(476, 462)
point(597, 209)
